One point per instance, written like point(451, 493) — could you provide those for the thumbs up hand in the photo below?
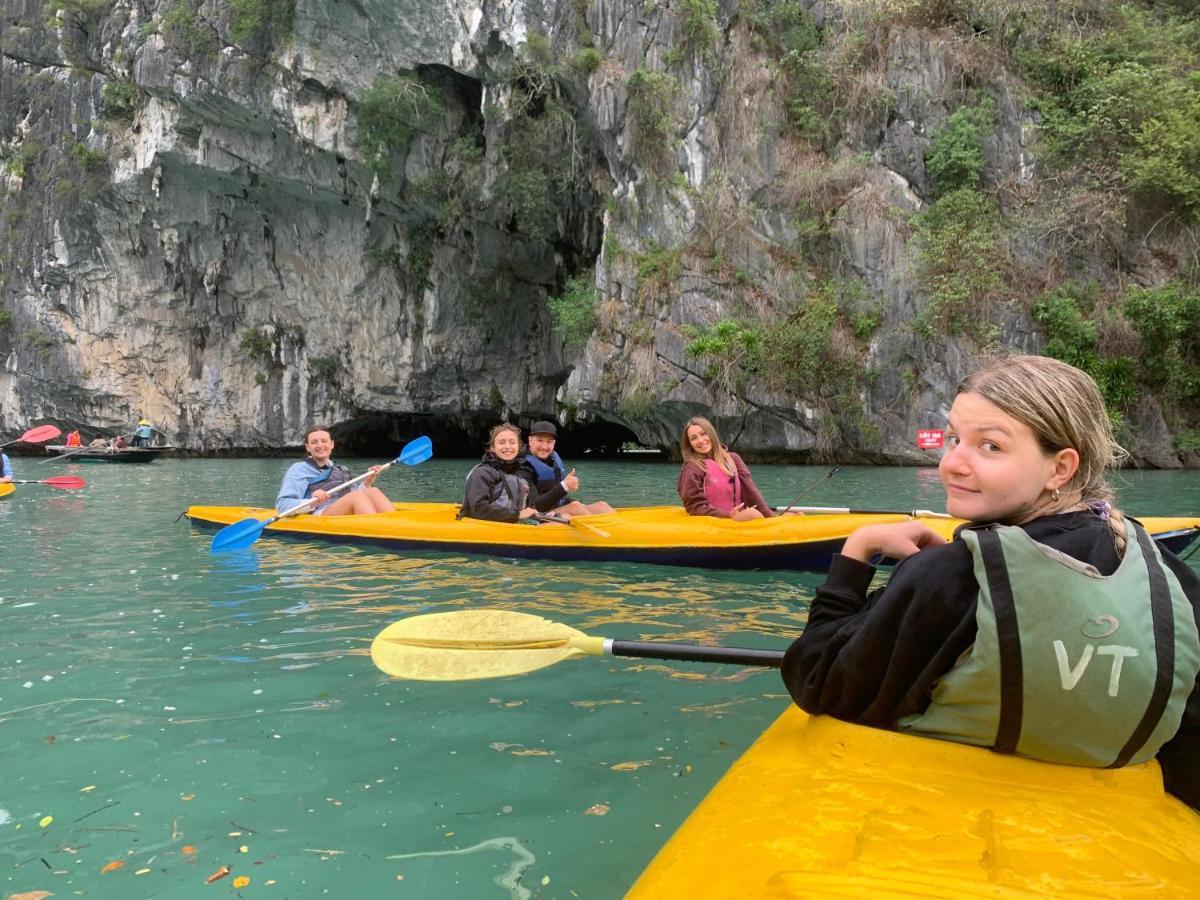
point(571, 482)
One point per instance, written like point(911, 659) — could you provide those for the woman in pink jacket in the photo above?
point(714, 481)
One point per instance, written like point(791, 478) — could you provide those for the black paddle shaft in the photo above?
point(744, 656)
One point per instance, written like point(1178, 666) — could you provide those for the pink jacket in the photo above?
point(691, 490)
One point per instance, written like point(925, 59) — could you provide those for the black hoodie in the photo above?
point(497, 490)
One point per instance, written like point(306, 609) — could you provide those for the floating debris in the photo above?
point(630, 766)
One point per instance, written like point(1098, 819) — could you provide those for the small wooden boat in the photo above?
point(648, 534)
point(108, 454)
point(818, 808)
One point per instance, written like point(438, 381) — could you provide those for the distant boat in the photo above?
point(108, 454)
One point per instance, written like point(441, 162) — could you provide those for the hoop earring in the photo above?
point(1055, 495)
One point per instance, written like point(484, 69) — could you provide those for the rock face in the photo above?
point(354, 213)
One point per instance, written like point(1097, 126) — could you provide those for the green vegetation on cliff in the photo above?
point(575, 311)
point(1146, 334)
point(390, 113)
point(652, 119)
point(1120, 99)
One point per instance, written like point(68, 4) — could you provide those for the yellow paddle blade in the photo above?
point(476, 643)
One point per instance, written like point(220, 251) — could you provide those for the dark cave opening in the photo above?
point(384, 434)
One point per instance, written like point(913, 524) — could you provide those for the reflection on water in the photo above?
point(166, 707)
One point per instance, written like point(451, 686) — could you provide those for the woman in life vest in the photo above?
point(714, 481)
point(1051, 626)
point(500, 488)
point(316, 475)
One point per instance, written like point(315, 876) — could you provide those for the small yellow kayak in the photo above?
point(819, 808)
point(6, 490)
point(649, 534)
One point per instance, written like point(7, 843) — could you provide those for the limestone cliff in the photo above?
point(238, 217)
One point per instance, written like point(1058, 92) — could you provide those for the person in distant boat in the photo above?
point(553, 484)
point(99, 444)
point(119, 442)
point(1051, 625)
point(314, 477)
point(714, 481)
point(143, 433)
point(74, 440)
point(6, 469)
point(503, 487)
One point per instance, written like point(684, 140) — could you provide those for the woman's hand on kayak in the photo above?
point(744, 513)
point(898, 540)
point(528, 513)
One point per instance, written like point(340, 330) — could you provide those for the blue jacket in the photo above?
point(303, 478)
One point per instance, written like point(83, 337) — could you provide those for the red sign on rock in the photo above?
point(929, 439)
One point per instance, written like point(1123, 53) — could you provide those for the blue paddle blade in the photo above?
point(239, 534)
point(416, 451)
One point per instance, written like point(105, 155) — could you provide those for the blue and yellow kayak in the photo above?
point(818, 808)
point(652, 534)
point(645, 534)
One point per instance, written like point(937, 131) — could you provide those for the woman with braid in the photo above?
point(1051, 626)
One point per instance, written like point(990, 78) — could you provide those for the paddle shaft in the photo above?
point(845, 511)
point(577, 522)
point(574, 520)
point(743, 656)
point(804, 493)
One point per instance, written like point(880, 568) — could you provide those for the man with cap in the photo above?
point(143, 433)
point(551, 480)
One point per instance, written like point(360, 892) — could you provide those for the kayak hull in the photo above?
point(820, 808)
point(7, 490)
point(653, 534)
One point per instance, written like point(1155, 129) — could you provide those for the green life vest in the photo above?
point(1068, 665)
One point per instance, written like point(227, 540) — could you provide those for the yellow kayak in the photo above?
point(650, 534)
point(819, 808)
point(6, 489)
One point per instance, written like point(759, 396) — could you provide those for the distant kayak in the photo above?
point(7, 490)
point(818, 808)
point(105, 454)
point(648, 534)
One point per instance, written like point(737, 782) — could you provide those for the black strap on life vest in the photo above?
point(1162, 616)
point(1008, 636)
point(337, 474)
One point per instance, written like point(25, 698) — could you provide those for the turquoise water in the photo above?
point(177, 712)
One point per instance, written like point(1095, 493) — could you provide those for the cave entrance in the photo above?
point(464, 436)
point(601, 439)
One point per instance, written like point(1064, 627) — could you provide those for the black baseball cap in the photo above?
point(543, 428)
